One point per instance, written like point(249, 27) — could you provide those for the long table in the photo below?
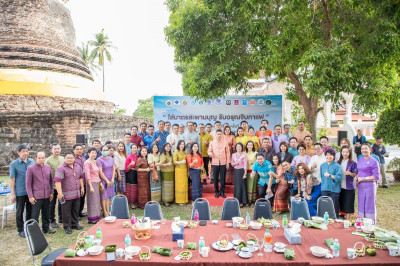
point(114, 233)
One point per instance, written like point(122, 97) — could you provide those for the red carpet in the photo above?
point(209, 194)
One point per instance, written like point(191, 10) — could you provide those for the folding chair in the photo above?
point(37, 243)
point(119, 207)
point(230, 209)
point(299, 208)
point(203, 207)
point(325, 204)
point(262, 208)
point(152, 209)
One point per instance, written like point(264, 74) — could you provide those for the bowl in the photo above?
point(132, 250)
point(81, 253)
point(317, 219)
point(368, 229)
point(280, 245)
point(319, 251)
point(95, 250)
point(255, 225)
point(182, 223)
point(110, 219)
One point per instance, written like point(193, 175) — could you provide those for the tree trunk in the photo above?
point(103, 76)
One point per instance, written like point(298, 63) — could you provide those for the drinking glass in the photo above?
point(260, 244)
point(268, 246)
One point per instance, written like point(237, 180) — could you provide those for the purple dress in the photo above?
point(367, 189)
point(107, 168)
point(298, 159)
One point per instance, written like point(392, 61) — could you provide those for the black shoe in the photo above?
point(77, 227)
point(222, 195)
point(385, 186)
point(217, 194)
point(204, 182)
point(60, 221)
point(82, 214)
point(48, 231)
point(54, 225)
point(21, 234)
point(68, 231)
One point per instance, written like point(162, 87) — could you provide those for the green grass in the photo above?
point(387, 207)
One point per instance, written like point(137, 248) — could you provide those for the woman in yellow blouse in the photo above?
point(155, 178)
point(240, 137)
point(251, 181)
point(181, 174)
point(253, 138)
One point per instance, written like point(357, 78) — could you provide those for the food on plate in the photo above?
point(370, 251)
point(223, 243)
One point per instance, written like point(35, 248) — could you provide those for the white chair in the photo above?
point(10, 208)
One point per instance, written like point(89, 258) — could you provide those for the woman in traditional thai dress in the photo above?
point(284, 153)
point(143, 173)
point(167, 173)
point(253, 138)
point(107, 174)
point(131, 176)
point(348, 190)
point(93, 186)
point(251, 181)
point(231, 140)
point(120, 160)
point(155, 173)
point(281, 195)
point(302, 157)
point(239, 163)
point(368, 175)
point(240, 137)
point(195, 163)
point(181, 174)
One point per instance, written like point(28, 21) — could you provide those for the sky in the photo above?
point(143, 63)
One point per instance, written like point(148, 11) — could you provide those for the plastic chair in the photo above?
point(299, 208)
point(6, 209)
point(203, 207)
point(230, 209)
point(37, 243)
point(152, 209)
point(119, 207)
point(325, 204)
point(262, 208)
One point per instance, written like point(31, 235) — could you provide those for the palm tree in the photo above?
point(85, 53)
point(102, 45)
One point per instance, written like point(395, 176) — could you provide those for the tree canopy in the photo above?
point(320, 47)
point(145, 108)
point(388, 126)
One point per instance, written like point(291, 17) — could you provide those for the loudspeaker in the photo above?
point(341, 134)
point(82, 139)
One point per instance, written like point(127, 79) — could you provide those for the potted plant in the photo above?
point(394, 166)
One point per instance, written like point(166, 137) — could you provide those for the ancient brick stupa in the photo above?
point(39, 60)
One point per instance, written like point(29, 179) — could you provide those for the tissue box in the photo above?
point(178, 235)
point(294, 239)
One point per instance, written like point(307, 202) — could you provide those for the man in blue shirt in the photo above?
point(379, 150)
point(331, 179)
point(262, 167)
point(148, 139)
point(293, 143)
point(18, 189)
point(143, 128)
point(160, 136)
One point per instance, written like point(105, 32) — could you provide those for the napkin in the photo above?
point(269, 195)
point(175, 228)
point(296, 228)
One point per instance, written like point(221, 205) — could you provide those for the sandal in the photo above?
point(166, 204)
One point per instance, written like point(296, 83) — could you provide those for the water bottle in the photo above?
point(358, 224)
point(196, 215)
point(248, 219)
point(133, 219)
point(201, 243)
point(326, 218)
point(336, 248)
point(127, 241)
point(99, 234)
point(284, 221)
point(88, 242)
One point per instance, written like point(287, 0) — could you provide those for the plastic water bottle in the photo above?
point(196, 215)
point(88, 242)
point(336, 248)
point(201, 243)
point(127, 241)
point(248, 219)
point(99, 234)
point(326, 218)
point(133, 219)
point(284, 221)
point(358, 224)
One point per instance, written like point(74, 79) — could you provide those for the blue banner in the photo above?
point(230, 109)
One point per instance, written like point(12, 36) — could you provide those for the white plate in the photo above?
point(317, 219)
point(216, 246)
point(279, 250)
point(254, 249)
point(95, 250)
point(182, 223)
point(132, 250)
point(237, 241)
point(110, 219)
point(280, 245)
point(81, 253)
point(246, 255)
point(319, 251)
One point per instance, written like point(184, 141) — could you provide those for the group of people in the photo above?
point(177, 160)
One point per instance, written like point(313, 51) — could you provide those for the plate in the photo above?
point(237, 241)
point(254, 249)
point(182, 223)
point(216, 246)
point(279, 250)
point(319, 251)
point(95, 250)
point(317, 219)
point(246, 255)
point(82, 253)
point(110, 219)
point(280, 245)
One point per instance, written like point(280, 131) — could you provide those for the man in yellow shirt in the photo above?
point(205, 140)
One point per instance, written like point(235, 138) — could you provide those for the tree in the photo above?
point(145, 108)
point(102, 45)
point(121, 111)
point(388, 126)
point(84, 49)
point(320, 47)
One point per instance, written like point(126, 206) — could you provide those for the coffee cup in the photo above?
point(351, 253)
point(119, 253)
point(346, 223)
point(250, 245)
point(204, 251)
point(245, 250)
